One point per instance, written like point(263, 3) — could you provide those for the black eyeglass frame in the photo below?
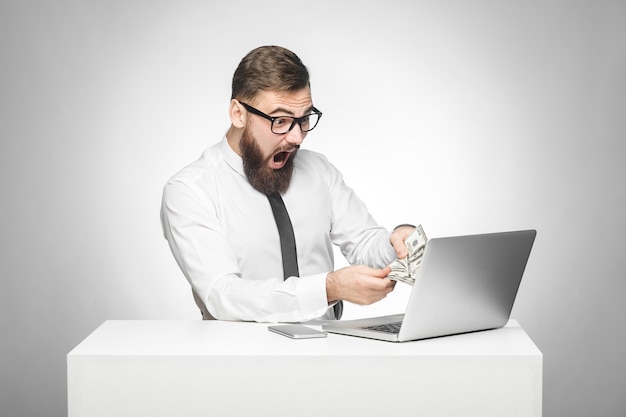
point(298, 120)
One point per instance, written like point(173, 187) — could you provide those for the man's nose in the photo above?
point(296, 135)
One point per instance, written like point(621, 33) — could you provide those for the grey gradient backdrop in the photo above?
point(477, 116)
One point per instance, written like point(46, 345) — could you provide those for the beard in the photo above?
point(256, 167)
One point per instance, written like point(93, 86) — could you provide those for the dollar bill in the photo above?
point(405, 270)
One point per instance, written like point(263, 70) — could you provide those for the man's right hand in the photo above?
point(358, 284)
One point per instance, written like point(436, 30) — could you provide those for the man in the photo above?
point(218, 213)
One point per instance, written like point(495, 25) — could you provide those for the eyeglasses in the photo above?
point(284, 124)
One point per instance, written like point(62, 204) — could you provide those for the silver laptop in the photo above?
point(465, 284)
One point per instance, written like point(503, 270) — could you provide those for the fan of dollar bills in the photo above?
point(406, 269)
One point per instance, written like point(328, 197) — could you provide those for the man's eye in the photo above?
point(282, 121)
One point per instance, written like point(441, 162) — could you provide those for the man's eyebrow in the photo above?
point(289, 112)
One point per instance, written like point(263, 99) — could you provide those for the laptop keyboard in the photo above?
point(386, 328)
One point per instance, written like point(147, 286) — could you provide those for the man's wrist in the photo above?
point(331, 295)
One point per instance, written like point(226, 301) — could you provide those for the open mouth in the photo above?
point(280, 158)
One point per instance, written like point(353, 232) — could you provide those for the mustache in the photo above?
point(289, 148)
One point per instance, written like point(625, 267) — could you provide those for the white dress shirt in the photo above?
point(223, 235)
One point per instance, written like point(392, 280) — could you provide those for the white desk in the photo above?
point(213, 368)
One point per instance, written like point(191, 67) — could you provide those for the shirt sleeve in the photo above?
point(199, 244)
point(354, 230)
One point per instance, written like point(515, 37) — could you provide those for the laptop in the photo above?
point(465, 284)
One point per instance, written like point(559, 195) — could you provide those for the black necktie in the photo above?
point(287, 238)
point(288, 242)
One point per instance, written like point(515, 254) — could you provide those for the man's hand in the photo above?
point(358, 284)
point(397, 238)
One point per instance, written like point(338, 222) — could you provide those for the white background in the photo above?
point(479, 116)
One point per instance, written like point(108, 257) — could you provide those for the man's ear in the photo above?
point(237, 114)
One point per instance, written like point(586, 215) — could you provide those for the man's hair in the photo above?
point(268, 68)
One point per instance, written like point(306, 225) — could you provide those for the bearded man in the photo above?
point(224, 214)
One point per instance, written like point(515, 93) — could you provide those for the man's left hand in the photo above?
point(397, 238)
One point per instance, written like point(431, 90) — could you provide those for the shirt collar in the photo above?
point(231, 157)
